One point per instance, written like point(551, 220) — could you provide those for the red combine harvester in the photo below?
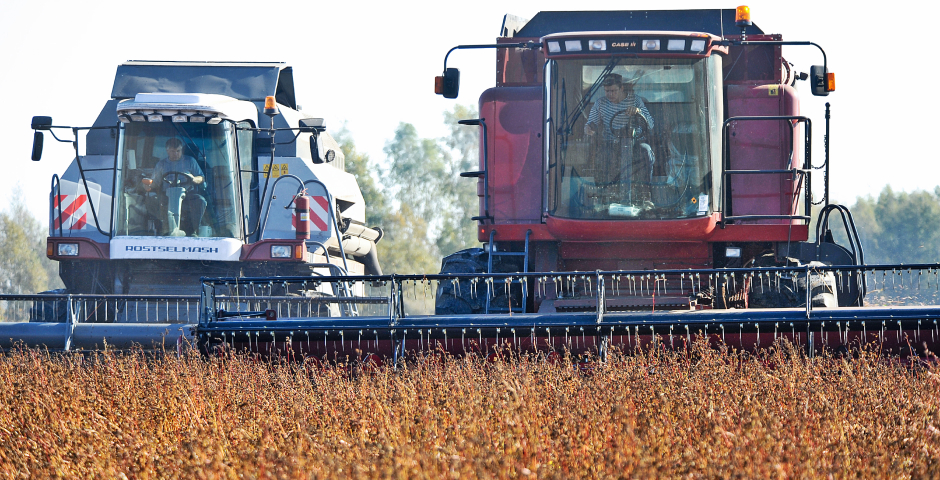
point(644, 177)
point(642, 141)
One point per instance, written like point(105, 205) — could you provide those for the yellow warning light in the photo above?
point(270, 106)
point(830, 82)
point(742, 16)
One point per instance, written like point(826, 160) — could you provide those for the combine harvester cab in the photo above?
point(197, 170)
point(645, 179)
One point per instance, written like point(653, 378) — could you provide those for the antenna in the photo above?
point(721, 20)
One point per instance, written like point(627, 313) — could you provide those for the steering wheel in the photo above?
point(628, 129)
point(178, 179)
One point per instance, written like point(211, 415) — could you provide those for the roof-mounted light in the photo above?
point(675, 44)
point(554, 47)
point(650, 45)
point(155, 117)
point(697, 46)
point(197, 118)
point(572, 45)
point(742, 16)
point(180, 118)
point(270, 106)
point(124, 118)
point(597, 45)
point(138, 117)
point(213, 120)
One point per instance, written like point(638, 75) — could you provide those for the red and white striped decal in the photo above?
point(319, 215)
point(74, 211)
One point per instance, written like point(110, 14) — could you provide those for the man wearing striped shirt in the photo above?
point(617, 98)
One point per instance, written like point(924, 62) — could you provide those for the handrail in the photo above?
point(54, 202)
point(726, 208)
point(484, 173)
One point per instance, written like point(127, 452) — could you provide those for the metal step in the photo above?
point(495, 252)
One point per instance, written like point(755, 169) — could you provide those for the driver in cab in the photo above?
point(614, 110)
point(177, 169)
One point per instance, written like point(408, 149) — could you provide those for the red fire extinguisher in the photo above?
point(302, 212)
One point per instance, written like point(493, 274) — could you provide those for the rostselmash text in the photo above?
point(158, 249)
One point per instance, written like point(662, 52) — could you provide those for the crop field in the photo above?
point(701, 413)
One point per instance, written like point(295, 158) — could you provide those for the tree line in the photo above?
point(417, 195)
point(899, 227)
point(24, 267)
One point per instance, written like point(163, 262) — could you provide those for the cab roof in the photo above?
point(251, 81)
point(718, 22)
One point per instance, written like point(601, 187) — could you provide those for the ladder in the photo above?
point(494, 252)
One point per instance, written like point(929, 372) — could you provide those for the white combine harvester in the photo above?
point(191, 170)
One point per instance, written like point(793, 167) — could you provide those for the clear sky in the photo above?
point(372, 66)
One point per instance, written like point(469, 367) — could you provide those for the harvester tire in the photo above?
point(460, 298)
point(792, 292)
point(822, 288)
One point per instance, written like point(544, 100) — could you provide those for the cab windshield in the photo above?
point(177, 179)
point(630, 138)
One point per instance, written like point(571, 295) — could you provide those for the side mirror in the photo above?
point(448, 84)
point(311, 125)
point(37, 145)
point(41, 123)
point(819, 80)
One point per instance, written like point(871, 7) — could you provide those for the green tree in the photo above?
point(418, 198)
point(899, 227)
point(457, 230)
point(406, 247)
point(417, 173)
point(413, 182)
point(425, 174)
point(24, 267)
point(360, 166)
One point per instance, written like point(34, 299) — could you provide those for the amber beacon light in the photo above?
point(742, 16)
point(270, 106)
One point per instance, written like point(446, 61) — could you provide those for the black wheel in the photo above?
point(462, 297)
point(792, 291)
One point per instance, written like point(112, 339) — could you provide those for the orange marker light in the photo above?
point(270, 106)
point(742, 16)
point(50, 247)
point(439, 85)
point(830, 82)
